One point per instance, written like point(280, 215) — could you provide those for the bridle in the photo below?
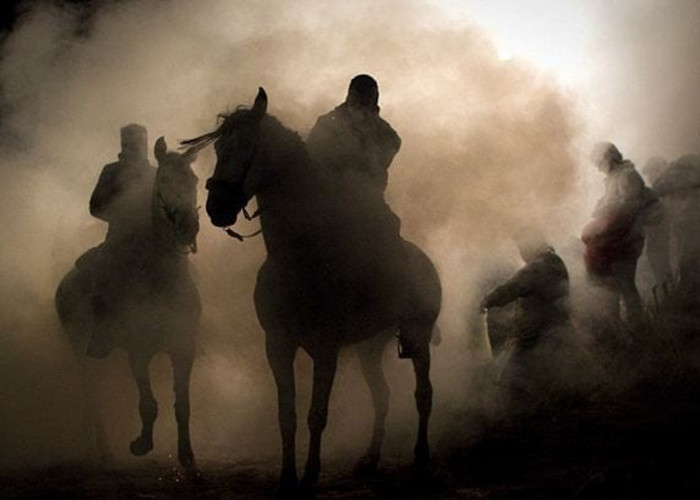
point(170, 217)
point(239, 236)
point(218, 183)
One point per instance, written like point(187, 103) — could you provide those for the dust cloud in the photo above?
point(646, 52)
point(489, 145)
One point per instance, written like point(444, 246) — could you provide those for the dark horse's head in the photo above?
point(237, 145)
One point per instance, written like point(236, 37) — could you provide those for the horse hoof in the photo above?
point(366, 466)
point(188, 464)
point(288, 486)
point(193, 474)
point(422, 458)
point(186, 459)
point(306, 486)
point(140, 446)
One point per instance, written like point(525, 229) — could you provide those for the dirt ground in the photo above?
point(639, 441)
point(607, 451)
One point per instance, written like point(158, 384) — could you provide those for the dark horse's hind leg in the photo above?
point(148, 407)
point(280, 356)
point(420, 335)
point(325, 363)
point(370, 354)
point(92, 423)
point(182, 367)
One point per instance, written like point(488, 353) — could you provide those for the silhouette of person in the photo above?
point(679, 185)
point(658, 238)
point(541, 319)
point(615, 237)
point(354, 138)
point(540, 290)
point(122, 198)
point(354, 147)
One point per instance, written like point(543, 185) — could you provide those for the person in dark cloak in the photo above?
point(354, 147)
point(541, 319)
point(353, 138)
point(122, 198)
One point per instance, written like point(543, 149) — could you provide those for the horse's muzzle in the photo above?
point(224, 202)
point(220, 214)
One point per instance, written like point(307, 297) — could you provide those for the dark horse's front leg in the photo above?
point(370, 354)
point(419, 336)
point(325, 363)
point(280, 356)
point(148, 407)
point(182, 367)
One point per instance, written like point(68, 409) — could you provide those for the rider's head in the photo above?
point(606, 156)
point(134, 140)
point(363, 93)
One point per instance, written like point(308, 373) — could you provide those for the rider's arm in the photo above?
point(389, 142)
point(103, 194)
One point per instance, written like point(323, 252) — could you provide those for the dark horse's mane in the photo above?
point(229, 121)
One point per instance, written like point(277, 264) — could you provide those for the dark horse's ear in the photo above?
point(160, 149)
point(260, 105)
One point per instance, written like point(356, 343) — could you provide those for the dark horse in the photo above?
point(160, 308)
point(324, 283)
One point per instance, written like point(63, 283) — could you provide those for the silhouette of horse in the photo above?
point(327, 280)
point(160, 309)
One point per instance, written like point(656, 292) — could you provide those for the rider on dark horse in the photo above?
point(122, 198)
point(353, 137)
point(354, 146)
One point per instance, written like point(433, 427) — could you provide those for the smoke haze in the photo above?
point(489, 145)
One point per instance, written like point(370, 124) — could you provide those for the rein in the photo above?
point(242, 237)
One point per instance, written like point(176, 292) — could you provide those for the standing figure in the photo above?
point(122, 198)
point(679, 186)
point(658, 238)
point(614, 239)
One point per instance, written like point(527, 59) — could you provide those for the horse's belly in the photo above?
point(329, 305)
